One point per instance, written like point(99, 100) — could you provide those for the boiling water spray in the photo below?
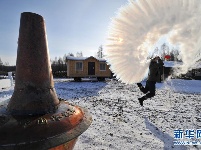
point(140, 25)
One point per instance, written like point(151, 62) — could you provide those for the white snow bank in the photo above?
point(185, 86)
point(172, 64)
point(119, 123)
point(5, 83)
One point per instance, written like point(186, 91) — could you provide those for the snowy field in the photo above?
point(120, 123)
point(5, 83)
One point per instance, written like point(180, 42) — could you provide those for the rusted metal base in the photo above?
point(67, 146)
point(49, 131)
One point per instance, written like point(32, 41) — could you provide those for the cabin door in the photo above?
point(91, 68)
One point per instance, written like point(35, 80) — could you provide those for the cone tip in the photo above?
point(31, 13)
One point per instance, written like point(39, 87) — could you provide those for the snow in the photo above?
point(172, 64)
point(5, 83)
point(120, 123)
point(189, 86)
point(75, 58)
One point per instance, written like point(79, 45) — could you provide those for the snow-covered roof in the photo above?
point(83, 58)
point(101, 59)
point(172, 63)
point(75, 58)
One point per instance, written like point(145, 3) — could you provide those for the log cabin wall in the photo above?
point(72, 72)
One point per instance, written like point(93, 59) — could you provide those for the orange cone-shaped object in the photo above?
point(34, 91)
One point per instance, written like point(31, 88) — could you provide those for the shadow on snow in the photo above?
point(164, 137)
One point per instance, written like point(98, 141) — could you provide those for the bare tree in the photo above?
point(156, 52)
point(79, 54)
point(71, 54)
point(176, 54)
point(172, 57)
point(60, 61)
point(164, 50)
point(100, 52)
point(55, 61)
point(59, 66)
point(64, 58)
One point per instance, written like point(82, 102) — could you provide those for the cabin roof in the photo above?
point(83, 58)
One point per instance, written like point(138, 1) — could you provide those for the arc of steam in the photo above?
point(140, 24)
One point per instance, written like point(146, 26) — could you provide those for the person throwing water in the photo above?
point(153, 77)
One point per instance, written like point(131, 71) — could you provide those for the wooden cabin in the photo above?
point(85, 67)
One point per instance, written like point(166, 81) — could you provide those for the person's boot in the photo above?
point(139, 85)
point(141, 99)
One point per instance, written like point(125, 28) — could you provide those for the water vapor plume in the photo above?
point(139, 25)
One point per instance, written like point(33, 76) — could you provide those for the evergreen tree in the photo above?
point(1, 63)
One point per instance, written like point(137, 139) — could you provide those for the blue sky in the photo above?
point(72, 25)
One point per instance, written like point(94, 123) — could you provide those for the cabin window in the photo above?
point(79, 66)
point(102, 67)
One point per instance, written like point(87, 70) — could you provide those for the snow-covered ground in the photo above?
point(120, 123)
point(5, 83)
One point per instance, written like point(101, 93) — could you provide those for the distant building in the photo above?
point(82, 67)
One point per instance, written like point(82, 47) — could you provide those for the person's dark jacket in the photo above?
point(154, 72)
point(160, 64)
